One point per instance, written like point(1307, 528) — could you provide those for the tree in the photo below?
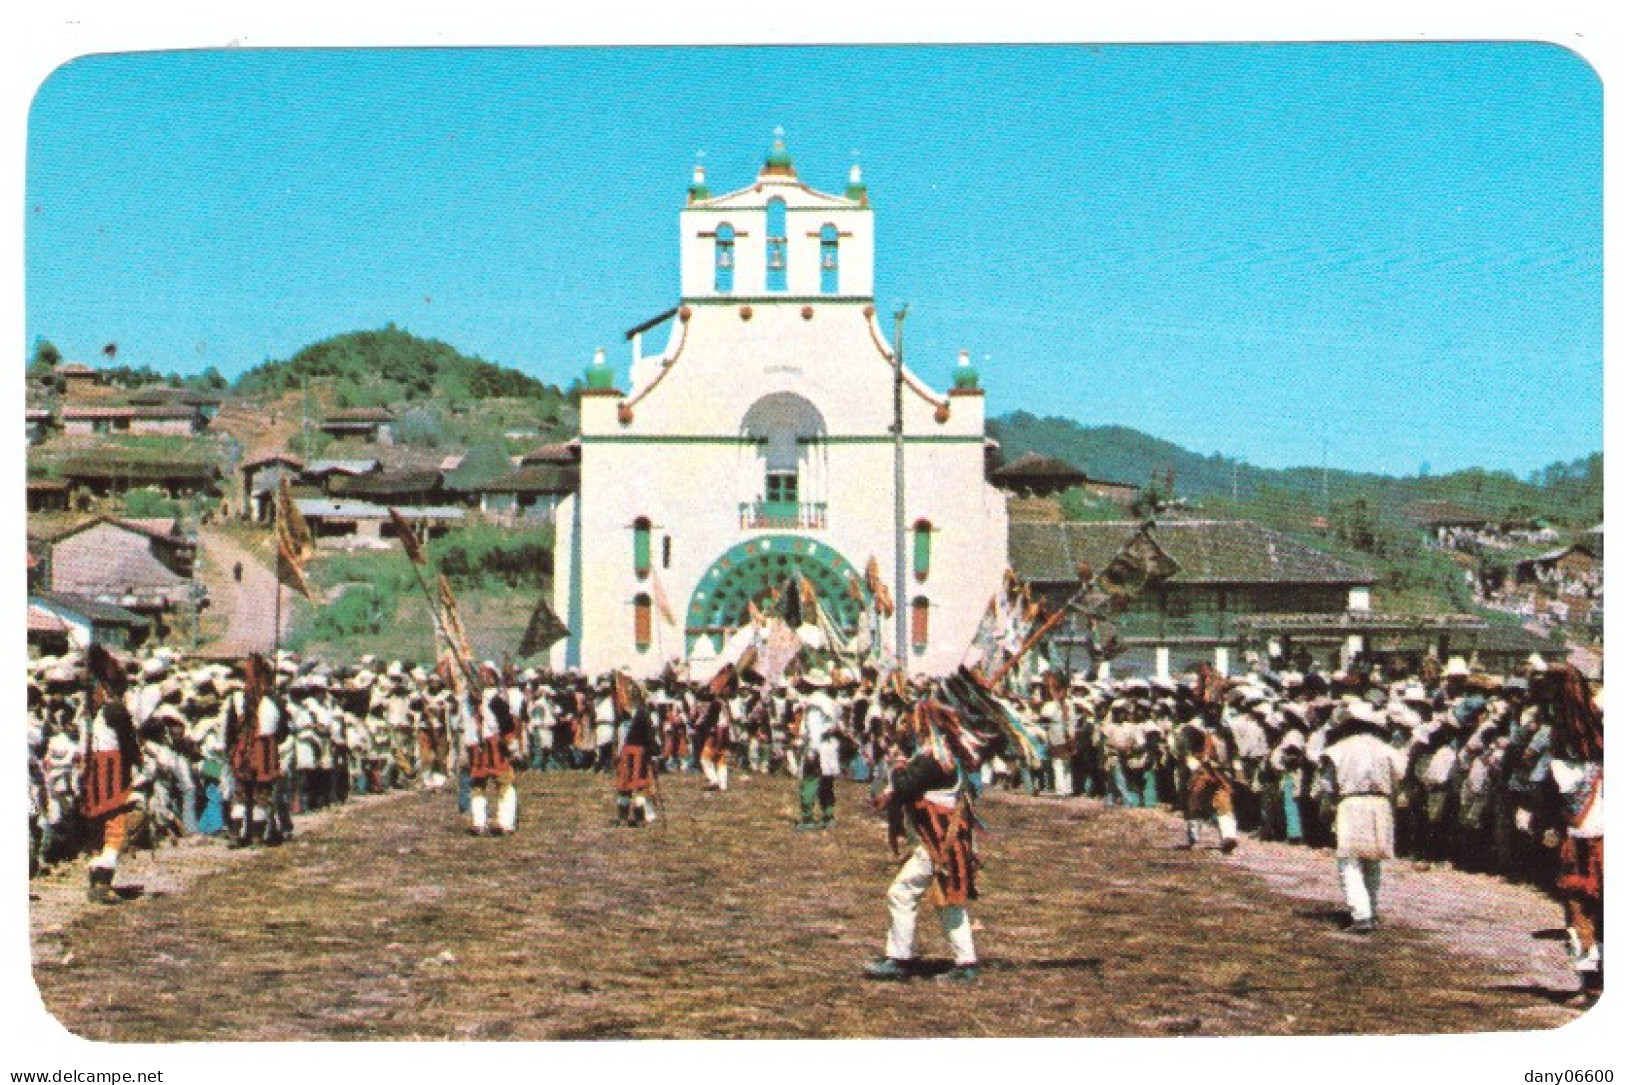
point(46, 359)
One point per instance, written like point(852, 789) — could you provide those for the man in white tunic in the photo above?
point(1360, 773)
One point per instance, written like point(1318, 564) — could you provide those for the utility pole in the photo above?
point(900, 603)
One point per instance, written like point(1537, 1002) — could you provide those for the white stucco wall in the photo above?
point(669, 449)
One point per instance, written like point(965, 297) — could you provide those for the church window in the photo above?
point(829, 259)
point(922, 549)
point(919, 626)
point(725, 258)
point(642, 621)
point(776, 244)
point(783, 489)
point(641, 529)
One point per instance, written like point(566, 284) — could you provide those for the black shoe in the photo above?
point(1229, 846)
point(1361, 926)
point(475, 831)
point(889, 969)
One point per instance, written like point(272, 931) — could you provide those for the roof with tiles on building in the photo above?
point(385, 483)
point(99, 412)
point(348, 415)
point(559, 452)
point(1207, 552)
point(536, 479)
point(1032, 465)
point(164, 529)
point(1442, 513)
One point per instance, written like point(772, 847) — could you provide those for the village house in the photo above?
point(78, 380)
point(262, 476)
point(328, 475)
point(341, 523)
point(1227, 570)
point(174, 420)
point(360, 423)
point(109, 471)
point(527, 495)
point(144, 566)
point(47, 495)
point(59, 623)
point(39, 424)
point(405, 486)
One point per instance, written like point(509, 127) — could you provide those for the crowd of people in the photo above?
point(237, 751)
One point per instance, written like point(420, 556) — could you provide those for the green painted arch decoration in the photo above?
point(758, 569)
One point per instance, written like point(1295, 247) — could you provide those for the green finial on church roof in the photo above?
point(778, 159)
point(599, 375)
point(965, 375)
point(697, 189)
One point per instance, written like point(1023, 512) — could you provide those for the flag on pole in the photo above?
point(289, 569)
point(294, 543)
point(408, 537)
point(662, 603)
point(454, 623)
point(543, 631)
point(877, 588)
point(626, 693)
point(292, 526)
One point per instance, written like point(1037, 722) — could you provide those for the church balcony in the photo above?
point(781, 515)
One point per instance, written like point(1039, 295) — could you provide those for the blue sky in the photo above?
point(1247, 249)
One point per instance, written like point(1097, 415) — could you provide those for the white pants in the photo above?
point(1362, 878)
point(1061, 767)
point(903, 902)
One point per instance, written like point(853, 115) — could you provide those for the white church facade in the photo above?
point(757, 449)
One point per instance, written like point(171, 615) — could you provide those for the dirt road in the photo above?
point(388, 922)
point(247, 607)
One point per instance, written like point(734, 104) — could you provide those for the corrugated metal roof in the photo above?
point(1207, 551)
point(341, 467)
point(327, 507)
point(85, 607)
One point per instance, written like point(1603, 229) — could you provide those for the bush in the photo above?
point(361, 609)
point(149, 502)
point(477, 556)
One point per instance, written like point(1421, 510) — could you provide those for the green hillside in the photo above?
point(392, 367)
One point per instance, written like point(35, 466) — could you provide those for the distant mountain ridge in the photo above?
point(1569, 493)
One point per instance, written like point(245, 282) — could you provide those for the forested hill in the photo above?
point(1567, 494)
point(391, 367)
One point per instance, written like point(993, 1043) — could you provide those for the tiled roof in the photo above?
point(561, 452)
point(1035, 466)
point(536, 479)
point(390, 482)
point(159, 411)
point(360, 414)
point(1207, 551)
point(1442, 514)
